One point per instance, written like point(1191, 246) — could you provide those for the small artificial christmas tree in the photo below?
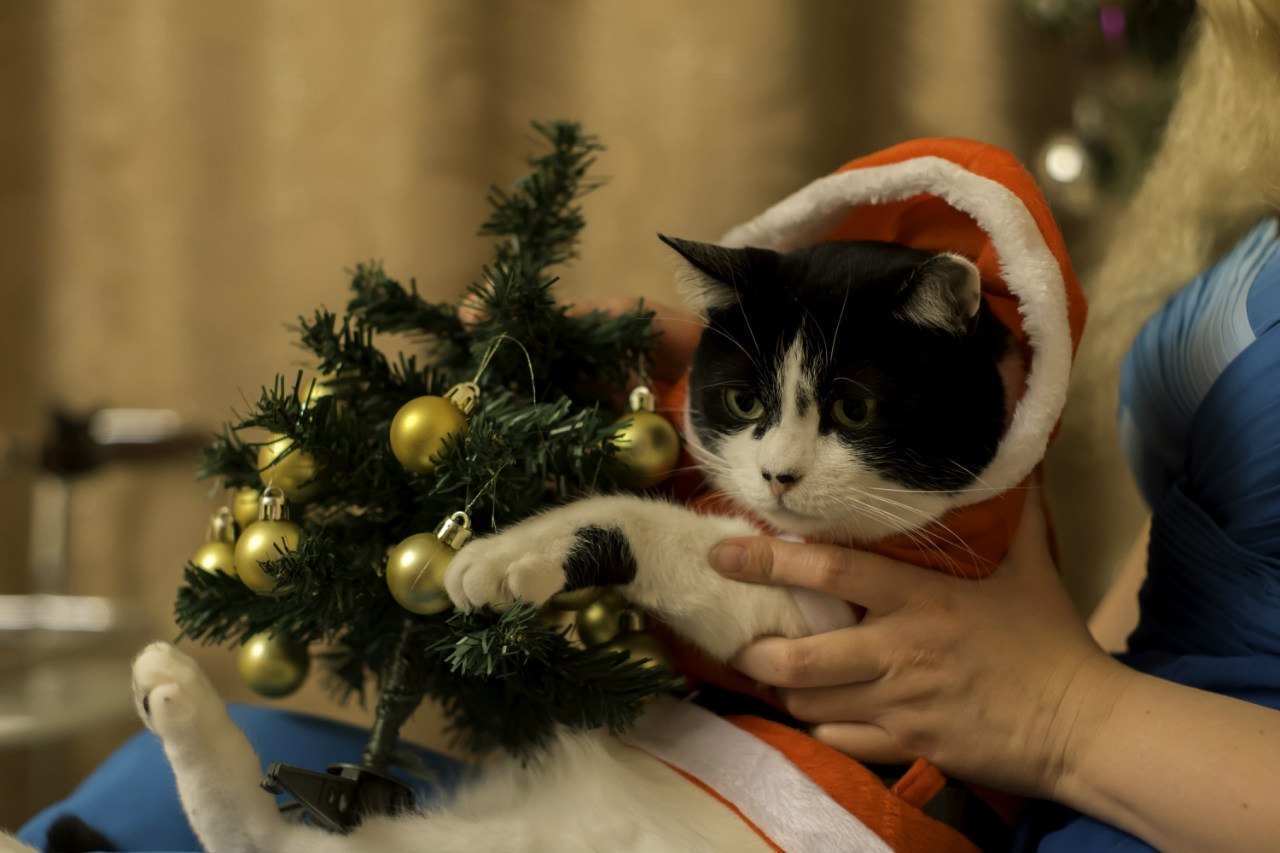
point(370, 458)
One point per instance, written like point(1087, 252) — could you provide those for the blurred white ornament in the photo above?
point(1067, 170)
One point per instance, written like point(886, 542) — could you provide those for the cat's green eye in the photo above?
point(743, 404)
point(854, 413)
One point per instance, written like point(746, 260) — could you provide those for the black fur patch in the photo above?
point(69, 834)
point(601, 556)
point(939, 398)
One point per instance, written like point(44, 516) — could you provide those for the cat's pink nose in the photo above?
point(780, 484)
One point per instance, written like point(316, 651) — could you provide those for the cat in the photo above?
point(842, 392)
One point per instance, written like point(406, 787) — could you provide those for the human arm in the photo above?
point(998, 682)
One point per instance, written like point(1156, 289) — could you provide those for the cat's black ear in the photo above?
point(719, 277)
point(944, 293)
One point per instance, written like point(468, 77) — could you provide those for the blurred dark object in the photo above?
point(1151, 30)
point(77, 444)
point(64, 658)
point(1132, 50)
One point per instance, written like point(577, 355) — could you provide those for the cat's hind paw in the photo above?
point(499, 569)
point(169, 687)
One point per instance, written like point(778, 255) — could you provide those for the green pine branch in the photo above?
point(540, 435)
point(515, 652)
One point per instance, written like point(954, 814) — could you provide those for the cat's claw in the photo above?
point(499, 569)
point(168, 687)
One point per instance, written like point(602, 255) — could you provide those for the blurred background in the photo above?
point(179, 180)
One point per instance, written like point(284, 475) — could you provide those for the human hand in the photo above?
point(994, 681)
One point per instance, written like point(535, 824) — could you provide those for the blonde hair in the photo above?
point(1216, 173)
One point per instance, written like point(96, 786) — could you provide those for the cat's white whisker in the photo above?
point(743, 310)
point(946, 491)
point(818, 325)
point(708, 328)
point(925, 530)
point(831, 353)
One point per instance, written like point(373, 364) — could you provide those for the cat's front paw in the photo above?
point(498, 569)
point(169, 688)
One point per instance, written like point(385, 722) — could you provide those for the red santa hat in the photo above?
point(973, 199)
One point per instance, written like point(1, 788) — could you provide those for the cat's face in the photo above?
point(845, 391)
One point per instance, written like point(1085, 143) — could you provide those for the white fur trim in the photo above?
point(788, 807)
point(1027, 265)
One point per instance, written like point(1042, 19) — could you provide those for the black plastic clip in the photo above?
point(342, 796)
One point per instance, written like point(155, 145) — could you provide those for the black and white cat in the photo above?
point(842, 392)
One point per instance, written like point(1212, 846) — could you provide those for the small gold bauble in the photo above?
point(420, 428)
point(327, 385)
point(416, 567)
point(641, 645)
point(575, 599)
point(273, 667)
point(603, 619)
point(315, 390)
point(257, 545)
point(245, 506)
point(216, 557)
point(294, 473)
point(648, 449)
point(415, 574)
point(218, 552)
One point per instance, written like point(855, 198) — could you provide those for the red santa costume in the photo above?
point(936, 195)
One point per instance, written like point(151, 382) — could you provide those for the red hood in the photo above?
point(976, 200)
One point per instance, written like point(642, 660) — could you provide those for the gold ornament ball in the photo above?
point(216, 557)
point(271, 666)
point(316, 389)
point(415, 574)
point(257, 545)
point(294, 474)
point(575, 599)
point(648, 449)
point(641, 644)
point(601, 620)
point(324, 386)
point(419, 430)
point(245, 506)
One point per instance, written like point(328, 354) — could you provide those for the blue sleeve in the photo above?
point(1200, 422)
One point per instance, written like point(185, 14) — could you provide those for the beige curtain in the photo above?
point(183, 178)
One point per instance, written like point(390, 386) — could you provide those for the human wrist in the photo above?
point(1086, 712)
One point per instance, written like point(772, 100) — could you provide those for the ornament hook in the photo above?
point(464, 395)
point(273, 507)
point(222, 526)
point(455, 530)
point(642, 399)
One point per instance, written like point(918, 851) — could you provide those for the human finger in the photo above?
point(877, 583)
point(843, 656)
point(842, 703)
point(863, 741)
